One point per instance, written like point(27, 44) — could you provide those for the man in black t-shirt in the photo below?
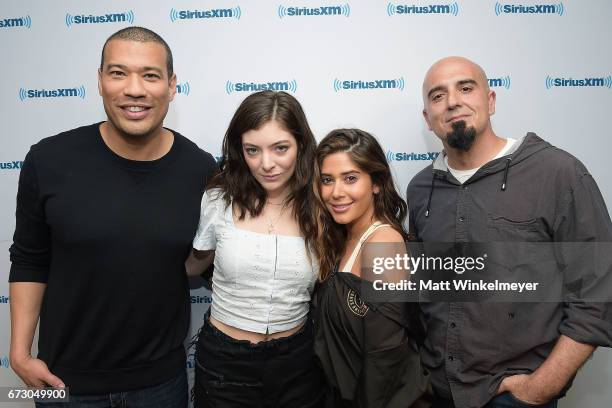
point(105, 218)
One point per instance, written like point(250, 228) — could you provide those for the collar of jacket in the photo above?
point(525, 147)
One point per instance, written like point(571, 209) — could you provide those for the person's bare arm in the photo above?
point(26, 300)
point(198, 261)
point(548, 380)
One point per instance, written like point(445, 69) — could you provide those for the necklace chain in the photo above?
point(273, 220)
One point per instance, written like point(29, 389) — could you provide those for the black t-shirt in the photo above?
point(109, 237)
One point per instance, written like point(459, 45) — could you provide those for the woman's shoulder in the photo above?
point(216, 195)
point(213, 200)
point(385, 233)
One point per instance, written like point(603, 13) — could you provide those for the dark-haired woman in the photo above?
point(367, 348)
point(255, 348)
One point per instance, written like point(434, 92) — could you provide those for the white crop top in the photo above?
point(261, 283)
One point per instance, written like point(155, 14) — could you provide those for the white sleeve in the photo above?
point(205, 239)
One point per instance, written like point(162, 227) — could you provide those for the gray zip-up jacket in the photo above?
point(536, 192)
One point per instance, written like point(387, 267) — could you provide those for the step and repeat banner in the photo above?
point(351, 64)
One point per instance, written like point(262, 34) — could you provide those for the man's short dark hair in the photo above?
point(140, 34)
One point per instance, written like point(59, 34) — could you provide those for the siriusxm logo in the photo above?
point(4, 299)
point(190, 363)
point(339, 10)
point(183, 89)
point(16, 22)
point(533, 9)
point(231, 87)
point(501, 82)
point(126, 17)
point(4, 362)
point(52, 93)
point(376, 84)
point(404, 156)
point(450, 8)
point(200, 299)
point(14, 165)
point(234, 12)
point(604, 82)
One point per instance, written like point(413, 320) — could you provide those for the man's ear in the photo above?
point(426, 117)
point(172, 85)
point(492, 99)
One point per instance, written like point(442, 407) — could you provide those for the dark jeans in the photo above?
point(277, 373)
point(171, 394)
point(505, 400)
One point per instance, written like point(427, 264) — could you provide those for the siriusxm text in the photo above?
point(200, 299)
point(12, 22)
point(315, 11)
point(12, 165)
point(579, 82)
point(55, 93)
point(402, 156)
point(106, 18)
point(217, 13)
point(253, 87)
point(537, 9)
point(4, 299)
point(379, 84)
point(190, 364)
point(429, 9)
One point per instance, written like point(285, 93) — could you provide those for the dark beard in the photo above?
point(462, 137)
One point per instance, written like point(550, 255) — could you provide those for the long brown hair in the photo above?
point(389, 207)
point(234, 179)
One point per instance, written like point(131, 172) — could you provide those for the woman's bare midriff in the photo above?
point(253, 337)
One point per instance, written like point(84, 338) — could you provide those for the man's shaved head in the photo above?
point(447, 62)
point(457, 101)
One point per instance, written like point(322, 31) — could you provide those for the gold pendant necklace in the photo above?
point(272, 221)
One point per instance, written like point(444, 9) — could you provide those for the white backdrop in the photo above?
point(547, 61)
